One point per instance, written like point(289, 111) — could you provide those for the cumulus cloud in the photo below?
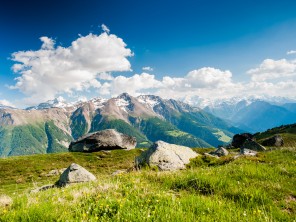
point(271, 69)
point(105, 76)
point(291, 52)
point(105, 28)
point(147, 68)
point(201, 81)
point(208, 77)
point(134, 85)
point(206, 83)
point(51, 70)
point(48, 43)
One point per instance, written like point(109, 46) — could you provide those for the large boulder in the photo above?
point(276, 140)
point(221, 151)
point(239, 139)
point(75, 174)
point(252, 145)
point(108, 139)
point(166, 156)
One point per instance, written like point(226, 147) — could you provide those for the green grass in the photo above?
point(222, 136)
point(258, 188)
point(176, 133)
point(20, 173)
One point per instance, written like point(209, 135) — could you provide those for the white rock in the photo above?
point(5, 200)
point(75, 174)
point(166, 156)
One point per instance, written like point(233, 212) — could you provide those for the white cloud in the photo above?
point(48, 43)
point(105, 28)
point(105, 76)
point(291, 52)
point(89, 61)
point(271, 69)
point(207, 83)
point(50, 71)
point(203, 81)
point(133, 85)
point(147, 68)
point(208, 77)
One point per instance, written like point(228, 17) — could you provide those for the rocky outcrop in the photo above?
point(166, 156)
point(239, 139)
point(221, 151)
point(75, 174)
point(276, 140)
point(252, 145)
point(103, 140)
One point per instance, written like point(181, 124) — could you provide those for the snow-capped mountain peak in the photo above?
point(124, 102)
point(55, 103)
point(149, 100)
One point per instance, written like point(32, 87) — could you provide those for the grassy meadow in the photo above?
point(261, 188)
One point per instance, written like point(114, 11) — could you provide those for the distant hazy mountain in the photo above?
point(49, 127)
point(255, 115)
point(290, 107)
point(56, 103)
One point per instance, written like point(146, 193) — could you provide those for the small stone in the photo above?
point(45, 187)
point(5, 200)
point(55, 172)
point(119, 172)
point(211, 156)
point(248, 152)
point(52, 173)
point(221, 151)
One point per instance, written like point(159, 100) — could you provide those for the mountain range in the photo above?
point(254, 115)
point(51, 126)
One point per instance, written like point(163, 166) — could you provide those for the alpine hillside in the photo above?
point(51, 126)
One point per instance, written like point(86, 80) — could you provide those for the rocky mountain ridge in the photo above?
point(51, 127)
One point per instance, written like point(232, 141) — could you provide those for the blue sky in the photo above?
point(192, 46)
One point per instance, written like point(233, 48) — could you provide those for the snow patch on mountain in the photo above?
point(149, 100)
point(122, 104)
point(98, 102)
